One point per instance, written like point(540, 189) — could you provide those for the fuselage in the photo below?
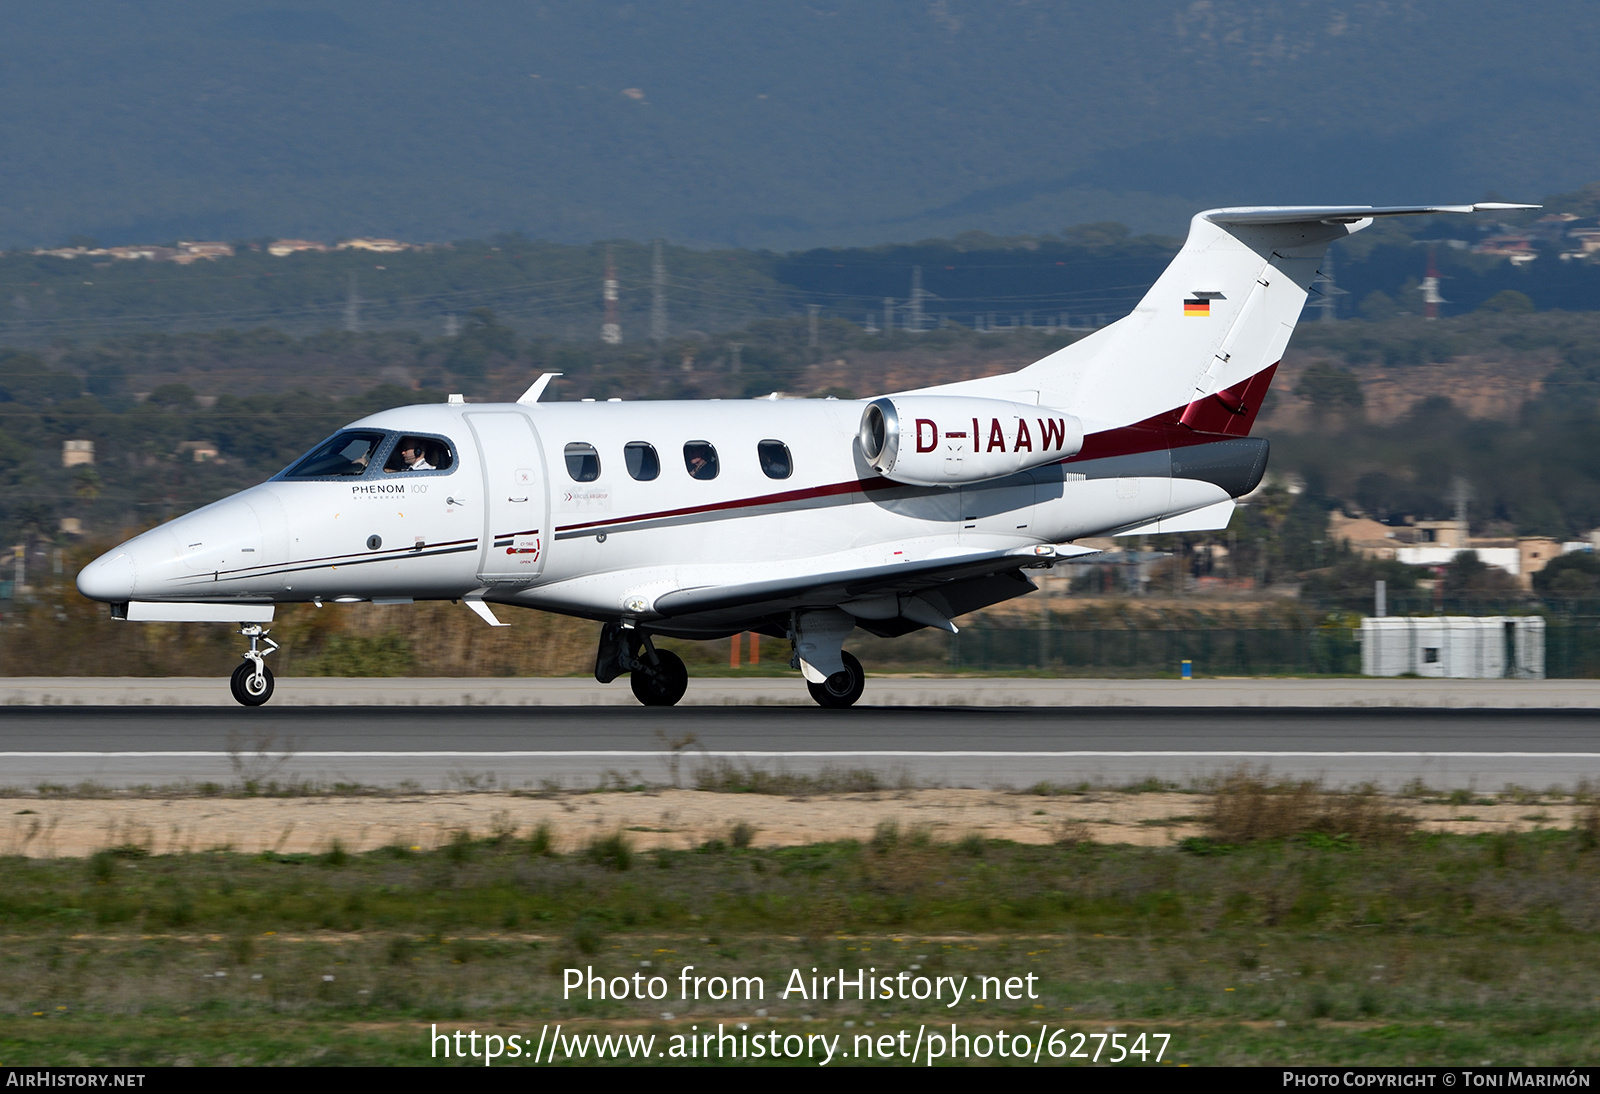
point(598, 509)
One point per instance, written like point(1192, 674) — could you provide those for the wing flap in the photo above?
point(835, 587)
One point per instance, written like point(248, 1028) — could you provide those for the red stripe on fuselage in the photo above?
point(832, 489)
point(1233, 415)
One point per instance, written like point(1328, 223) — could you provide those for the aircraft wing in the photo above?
point(834, 587)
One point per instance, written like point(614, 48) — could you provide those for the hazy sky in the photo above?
point(775, 125)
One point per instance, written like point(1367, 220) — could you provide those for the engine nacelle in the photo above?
point(943, 440)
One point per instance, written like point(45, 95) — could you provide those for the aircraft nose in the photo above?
point(110, 577)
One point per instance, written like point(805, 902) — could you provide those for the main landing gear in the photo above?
point(658, 677)
point(252, 680)
point(834, 677)
point(843, 688)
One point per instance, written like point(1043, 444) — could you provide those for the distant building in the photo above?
point(1364, 536)
point(1584, 241)
point(71, 526)
point(77, 453)
point(143, 253)
point(380, 246)
point(1437, 542)
point(200, 451)
point(1517, 248)
point(190, 251)
point(1508, 559)
point(283, 247)
point(1537, 551)
point(1443, 533)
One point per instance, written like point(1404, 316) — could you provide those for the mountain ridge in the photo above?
point(716, 124)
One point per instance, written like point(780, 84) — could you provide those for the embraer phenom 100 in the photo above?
point(799, 519)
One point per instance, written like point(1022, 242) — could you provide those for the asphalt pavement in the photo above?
point(442, 747)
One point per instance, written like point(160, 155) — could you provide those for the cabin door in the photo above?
point(516, 502)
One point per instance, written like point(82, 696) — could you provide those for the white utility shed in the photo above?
point(1458, 647)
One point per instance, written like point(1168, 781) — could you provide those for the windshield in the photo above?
point(346, 453)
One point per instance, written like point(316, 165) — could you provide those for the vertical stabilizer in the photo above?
point(1201, 346)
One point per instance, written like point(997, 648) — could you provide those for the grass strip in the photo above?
point(1372, 946)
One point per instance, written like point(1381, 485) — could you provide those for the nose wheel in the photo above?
point(251, 682)
point(251, 686)
point(661, 684)
point(842, 689)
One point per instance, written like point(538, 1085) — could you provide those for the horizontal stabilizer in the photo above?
point(1344, 214)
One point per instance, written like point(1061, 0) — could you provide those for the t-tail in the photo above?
point(1198, 352)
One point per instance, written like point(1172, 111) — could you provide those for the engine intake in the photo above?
point(941, 440)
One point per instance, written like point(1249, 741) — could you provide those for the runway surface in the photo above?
point(789, 690)
point(454, 747)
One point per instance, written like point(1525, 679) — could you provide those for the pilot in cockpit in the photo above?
point(413, 456)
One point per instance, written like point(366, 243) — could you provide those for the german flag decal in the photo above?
point(1199, 307)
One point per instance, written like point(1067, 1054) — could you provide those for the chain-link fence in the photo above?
point(1060, 646)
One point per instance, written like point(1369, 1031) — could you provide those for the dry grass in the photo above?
point(1588, 825)
point(1245, 808)
point(726, 777)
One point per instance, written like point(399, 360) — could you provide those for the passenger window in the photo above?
point(583, 462)
point(419, 454)
point(643, 463)
point(775, 461)
point(700, 457)
point(346, 453)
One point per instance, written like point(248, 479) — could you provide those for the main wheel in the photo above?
point(247, 689)
point(842, 689)
point(663, 686)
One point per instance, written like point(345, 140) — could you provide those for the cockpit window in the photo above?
point(775, 461)
point(343, 454)
point(583, 462)
point(700, 457)
point(643, 463)
point(419, 454)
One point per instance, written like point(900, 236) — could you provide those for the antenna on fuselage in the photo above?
point(531, 396)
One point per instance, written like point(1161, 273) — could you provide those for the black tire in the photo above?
point(663, 686)
point(243, 683)
point(841, 690)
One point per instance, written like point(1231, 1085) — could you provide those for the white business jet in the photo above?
point(800, 519)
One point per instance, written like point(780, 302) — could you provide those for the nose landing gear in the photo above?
point(251, 682)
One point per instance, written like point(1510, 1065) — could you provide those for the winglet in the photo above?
point(531, 396)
